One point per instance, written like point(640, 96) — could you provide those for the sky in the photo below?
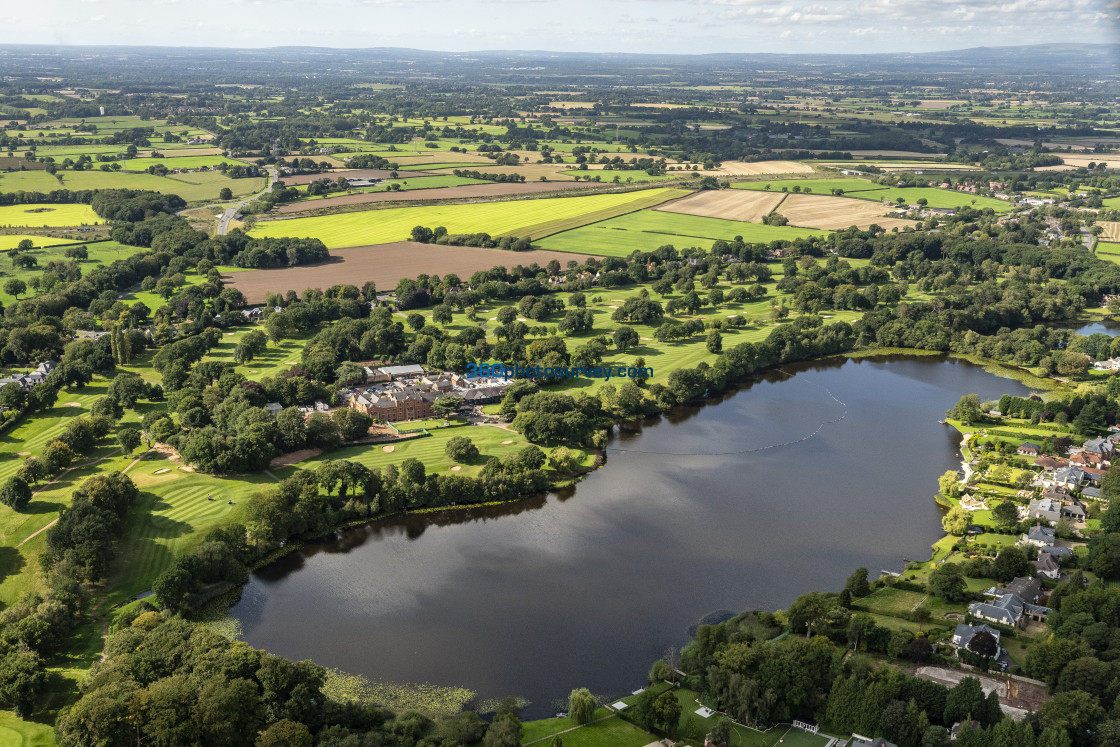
point(652, 26)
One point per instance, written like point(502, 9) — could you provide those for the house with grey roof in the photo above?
point(1069, 478)
point(1040, 536)
point(1027, 588)
point(1008, 610)
point(964, 634)
point(1101, 446)
point(1047, 566)
point(1074, 511)
point(1057, 551)
point(1028, 449)
point(1044, 508)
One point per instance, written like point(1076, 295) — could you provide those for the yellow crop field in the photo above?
point(535, 218)
point(39, 216)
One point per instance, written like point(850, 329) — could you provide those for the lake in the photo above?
point(784, 486)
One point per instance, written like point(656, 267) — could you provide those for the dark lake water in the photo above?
point(783, 487)
point(1108, 328)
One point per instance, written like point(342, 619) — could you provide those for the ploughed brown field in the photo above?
point(385, 265)
point(436, 193)
point(293, 180)
point(730, 204)
point(836, 213)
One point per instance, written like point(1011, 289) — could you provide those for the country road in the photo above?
point(231, 212)
point(233, 209)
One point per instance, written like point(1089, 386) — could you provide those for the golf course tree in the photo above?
point(15, 493)
point(129, 439)
point(461, 449)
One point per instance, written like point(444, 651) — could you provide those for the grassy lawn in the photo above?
point(171, 516)
point(612, 732)
point(429, 450)
point(520, 217)
point(889, 601)
point(15, 732)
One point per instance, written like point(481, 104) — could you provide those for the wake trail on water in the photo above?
point(820, 428)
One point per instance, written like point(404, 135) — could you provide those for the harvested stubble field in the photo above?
point(295, 180)
point(385, 265)
point(465, 191)
point(759, 168)
point(730, 204)
point(817, 186)
point(536, 218)
point(1072, 161)
point(1111, 230)
point(836, 213)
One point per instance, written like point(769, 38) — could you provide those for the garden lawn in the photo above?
point(534, 218)
point(42, 215)
point(890, 601)
point(612, 732)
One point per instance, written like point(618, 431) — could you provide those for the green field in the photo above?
point(1108, 250)
point(816, 186)
point(539, 217)
point(40, 216)
point(648, 229)
point(435, 166)
point(192, 187)
point(406, 185)
point(938, 198)
point(100, 253)
point(28, 181)
point(178, 162)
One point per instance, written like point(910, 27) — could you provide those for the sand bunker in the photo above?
point(506, 443)
point(388, 448)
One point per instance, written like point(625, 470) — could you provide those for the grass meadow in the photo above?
point(648, 229)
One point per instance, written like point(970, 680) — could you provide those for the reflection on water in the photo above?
point(692, 516)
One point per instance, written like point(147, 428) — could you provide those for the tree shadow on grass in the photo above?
point(11, 562)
